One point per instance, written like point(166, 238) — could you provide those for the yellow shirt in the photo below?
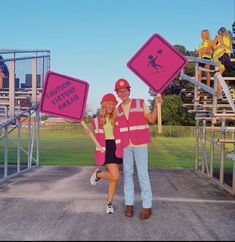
point(126, 109)
point(204, 50)
point(108, 130)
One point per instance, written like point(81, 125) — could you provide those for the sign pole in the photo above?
point(159, 110)
point(159, 117)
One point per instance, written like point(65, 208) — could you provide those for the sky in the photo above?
point(93, 40)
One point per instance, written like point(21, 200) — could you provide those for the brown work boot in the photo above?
point(145, 213)
point(129, 211)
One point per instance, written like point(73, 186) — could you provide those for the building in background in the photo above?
point(52, 122)
point(28, 81)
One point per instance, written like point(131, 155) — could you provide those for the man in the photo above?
point(133, 117)
point(4, 73)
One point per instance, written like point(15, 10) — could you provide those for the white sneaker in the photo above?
point(109, 208)
point(94, 179)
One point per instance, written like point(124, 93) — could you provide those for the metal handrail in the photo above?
point(203, 61)
point(10, 121)
point(24, 58)
point(6, 51)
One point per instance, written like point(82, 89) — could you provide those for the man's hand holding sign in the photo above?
point(66, 97)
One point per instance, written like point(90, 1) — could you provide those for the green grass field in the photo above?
point(163, 152)
point(76, 149)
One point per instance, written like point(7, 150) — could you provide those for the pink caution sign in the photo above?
point(157, 63)
point(64, 96)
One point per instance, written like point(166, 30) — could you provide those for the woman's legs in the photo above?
point(207, 73)
point(113, 175)
point(199, 76)
point(219, 87)
point(208, 76)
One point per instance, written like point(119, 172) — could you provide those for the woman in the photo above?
point(222, 49)
point(107, 135)
point(205, 52)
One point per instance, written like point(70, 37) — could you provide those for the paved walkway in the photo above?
point(58, 203)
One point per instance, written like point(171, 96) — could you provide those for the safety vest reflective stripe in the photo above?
point(117, 141)
point(119, 114)
point(99, 149)
point(99, 131)
point(137, 103)
point(96, 125)
point(136, 110)
point(123, 130)
point(139, 127)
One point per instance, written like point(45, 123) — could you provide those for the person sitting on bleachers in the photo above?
point(222, 49)
point(4, 73)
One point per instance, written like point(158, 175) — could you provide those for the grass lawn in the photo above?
point(163, 152)
point(77, 150)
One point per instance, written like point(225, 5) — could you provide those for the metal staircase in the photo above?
point(19, 116)
point(215, 129)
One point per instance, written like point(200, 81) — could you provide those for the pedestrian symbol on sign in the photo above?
point(152, 62)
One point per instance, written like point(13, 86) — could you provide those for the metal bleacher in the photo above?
point(215, 131)
point(19, 117)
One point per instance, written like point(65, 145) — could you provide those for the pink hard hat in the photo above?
point(109, 97)
point(122, 83)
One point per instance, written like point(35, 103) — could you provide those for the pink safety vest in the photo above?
point(136, 128)
point(100, 136)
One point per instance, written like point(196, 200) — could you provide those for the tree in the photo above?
point(173, 112)
point(183, 50)
point(230, 73)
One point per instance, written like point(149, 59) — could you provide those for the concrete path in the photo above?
point(58, 203)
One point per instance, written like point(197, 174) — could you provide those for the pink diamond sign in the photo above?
point(157, 63)
point(64, 96)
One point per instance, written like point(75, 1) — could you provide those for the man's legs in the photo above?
point(128, 169)
point(141, 158)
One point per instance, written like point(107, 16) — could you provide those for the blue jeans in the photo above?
point(140, 155)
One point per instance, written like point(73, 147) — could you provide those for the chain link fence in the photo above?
point(21, 87)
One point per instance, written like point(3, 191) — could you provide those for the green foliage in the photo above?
point(183, 50)
point(173, 113)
